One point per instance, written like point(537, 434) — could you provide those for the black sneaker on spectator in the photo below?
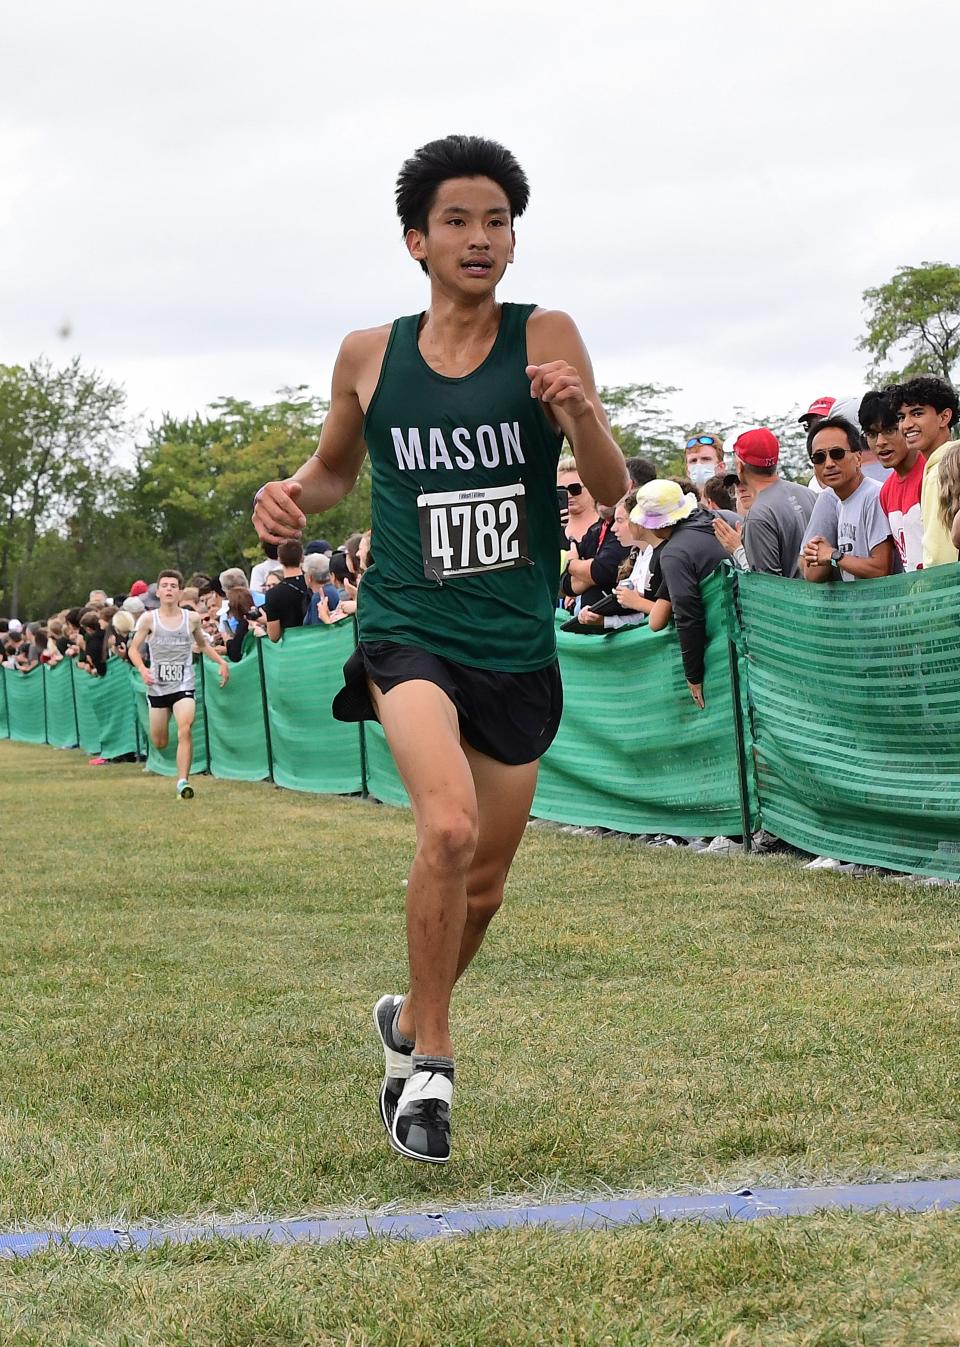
point(398, 1058)
point(767, 844)
point(421, 1125)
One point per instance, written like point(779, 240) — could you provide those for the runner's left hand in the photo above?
point(559, 384)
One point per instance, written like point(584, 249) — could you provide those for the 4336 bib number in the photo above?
point(470, 532)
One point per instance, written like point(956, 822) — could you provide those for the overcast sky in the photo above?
point(203, 190)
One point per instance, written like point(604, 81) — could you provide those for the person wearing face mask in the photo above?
point(773, 531)
point(704, 455)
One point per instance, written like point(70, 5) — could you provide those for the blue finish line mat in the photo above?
point(609, 1214)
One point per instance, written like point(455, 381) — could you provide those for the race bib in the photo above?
point(470, 532)
point(169, 673)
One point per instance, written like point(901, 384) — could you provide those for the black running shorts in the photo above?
point(512, 717)
point(168, 700)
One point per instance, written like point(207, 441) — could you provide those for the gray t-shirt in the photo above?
point(855, 525)
point(774, 527)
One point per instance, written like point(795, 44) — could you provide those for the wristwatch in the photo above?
point(835, 558)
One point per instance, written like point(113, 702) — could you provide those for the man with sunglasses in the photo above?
point(848, 536)
point(704, 455)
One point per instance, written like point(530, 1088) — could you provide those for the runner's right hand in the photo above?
point(147, 675)
point(276, 515)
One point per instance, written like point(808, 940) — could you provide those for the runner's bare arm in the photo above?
point(561, 376)
point(134, 656)
point(281, 507)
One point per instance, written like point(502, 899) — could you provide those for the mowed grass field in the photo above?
point(185, 1030)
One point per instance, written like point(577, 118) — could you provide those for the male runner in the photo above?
point(462, 409)
point(170, 634)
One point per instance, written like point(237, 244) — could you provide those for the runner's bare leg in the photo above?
point(159, 726)
point(420, 723)
point(183, 713)
point(504, 797)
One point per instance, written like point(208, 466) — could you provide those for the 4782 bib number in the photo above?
point(471, 532)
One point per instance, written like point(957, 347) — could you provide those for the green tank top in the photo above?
point(466, 528)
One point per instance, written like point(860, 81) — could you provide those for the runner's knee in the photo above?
point(483, 907)
point(449, 840)
point(485, 893)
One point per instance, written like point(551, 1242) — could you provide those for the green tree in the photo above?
point(59, 429)
point(196, 477)
point(640, 422)
point(916, 317)
point(101, 546)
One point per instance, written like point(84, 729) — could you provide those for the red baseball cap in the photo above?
point(760, 448)
point(819, 407)
point(138, 587)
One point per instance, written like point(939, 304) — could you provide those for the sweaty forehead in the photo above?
point(480, 195)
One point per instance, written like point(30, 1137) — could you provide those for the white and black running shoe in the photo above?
point(398, 1059)
point(421, 1124)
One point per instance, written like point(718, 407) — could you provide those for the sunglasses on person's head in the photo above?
point(711, 440)
point(819, 456)
point(575, 488)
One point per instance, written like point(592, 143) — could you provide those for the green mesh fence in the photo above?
point(634, 752)
point(61, 713)
point(235, 720)
point(25, 705)
point(112, 699)
point(851, 722)
point(383, 779)
point(855, 695)
point(87, 705)
point(302, 672)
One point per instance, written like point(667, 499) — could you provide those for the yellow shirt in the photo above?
point(938, 548)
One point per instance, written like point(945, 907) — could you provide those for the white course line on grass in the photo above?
point(616, 1213)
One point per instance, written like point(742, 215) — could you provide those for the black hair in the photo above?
point(877, 409)
point(339, 566)
point(854, 438)
point(641, 471)
point(765, 469)
point(456, 157)
point(290, 552)
point(716, 491)
point(926, 390)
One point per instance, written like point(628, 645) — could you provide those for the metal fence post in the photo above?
point(264, 704)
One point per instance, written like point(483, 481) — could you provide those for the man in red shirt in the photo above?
point(900, 493)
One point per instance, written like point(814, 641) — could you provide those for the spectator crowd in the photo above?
point(883, 496)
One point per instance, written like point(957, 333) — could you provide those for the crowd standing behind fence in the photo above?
point(884, 498)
